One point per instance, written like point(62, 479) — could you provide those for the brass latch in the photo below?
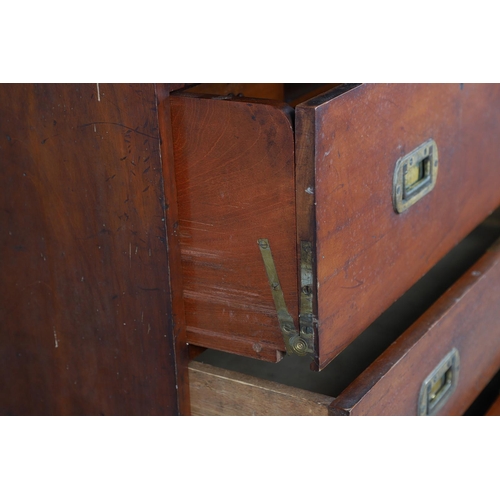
point(295, 342)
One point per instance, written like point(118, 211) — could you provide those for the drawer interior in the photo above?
point(290, 93)
point(294, 371)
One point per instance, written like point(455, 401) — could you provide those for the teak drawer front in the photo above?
point(465, 318)
point(348, 142)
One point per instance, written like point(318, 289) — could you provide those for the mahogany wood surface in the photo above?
point(256, 90)
point(348, 143)
point(234, 167)
point(85, 321)
point(466, 317)
point(216, 391)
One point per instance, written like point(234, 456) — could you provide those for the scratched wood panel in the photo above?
point(348, 142)
point(85, 303)
point(467, 318)
point(234, 167)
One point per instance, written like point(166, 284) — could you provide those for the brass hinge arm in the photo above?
point(294, 342)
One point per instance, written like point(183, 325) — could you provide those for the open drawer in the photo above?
point(302, 219)
point(438, 366)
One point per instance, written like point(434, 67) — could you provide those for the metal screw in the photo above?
point(299, 346)
point(275, 285)
point(263, 244)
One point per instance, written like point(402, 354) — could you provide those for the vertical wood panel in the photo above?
point(85, 302)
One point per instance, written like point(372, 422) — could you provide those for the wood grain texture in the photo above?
point(216, 391)
point(234, 167)
point(466, 317)
point(85, 300)
point(347, 147)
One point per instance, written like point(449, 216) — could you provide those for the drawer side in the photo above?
point(234, 168)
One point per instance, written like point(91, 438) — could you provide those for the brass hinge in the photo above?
point(295, 341)
point(306, 317)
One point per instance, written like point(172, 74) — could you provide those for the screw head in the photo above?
point(299, 346)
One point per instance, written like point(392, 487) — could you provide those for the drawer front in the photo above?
point(465, 321)
point(348, 143)
point(234, 168)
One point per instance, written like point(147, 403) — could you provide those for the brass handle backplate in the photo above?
point(415, 176)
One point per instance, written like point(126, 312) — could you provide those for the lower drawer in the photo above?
point(439, 365)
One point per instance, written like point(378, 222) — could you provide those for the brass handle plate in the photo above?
point(439, 385)
point(415, 175)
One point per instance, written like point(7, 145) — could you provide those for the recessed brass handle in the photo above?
point(415, 175)
point(439, 385)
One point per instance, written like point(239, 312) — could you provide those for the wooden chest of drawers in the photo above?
point(299, 227)
point(145, 223)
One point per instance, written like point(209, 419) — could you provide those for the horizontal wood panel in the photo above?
point(216, 391)
point(367, 255)
point(466, 317)
point(234, 166)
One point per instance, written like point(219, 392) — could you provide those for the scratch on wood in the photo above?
point(130, 253)
point(149, 329)
point(98, 93)
point(55, 339)
point(129, 129)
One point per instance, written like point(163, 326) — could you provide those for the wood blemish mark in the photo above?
point(119, 125)
point(358, 283)
point(56, 342)
point(144, 190)
point(98, 93)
